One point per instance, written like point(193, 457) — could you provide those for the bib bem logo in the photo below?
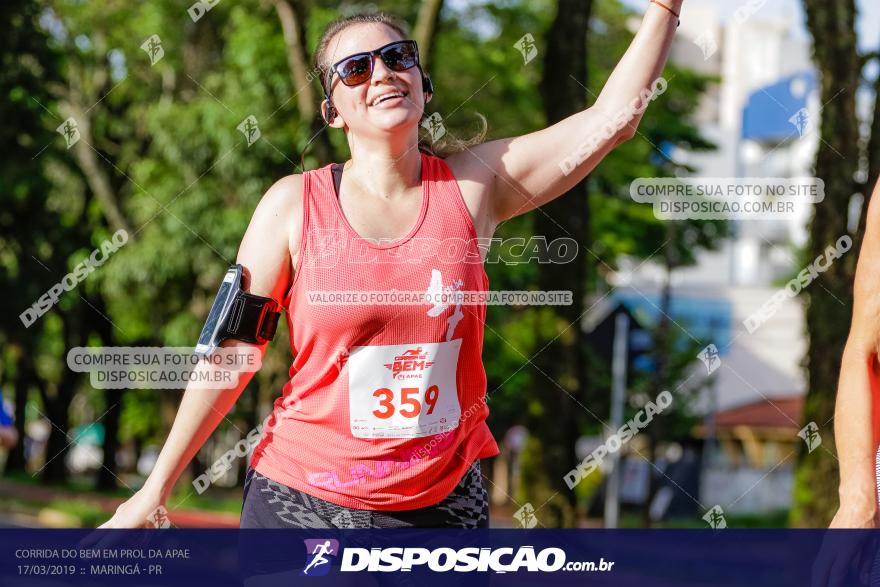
point(320, 553)
point(410, 360)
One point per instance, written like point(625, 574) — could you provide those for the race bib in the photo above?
point(403, 390)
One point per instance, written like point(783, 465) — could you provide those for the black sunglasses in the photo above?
point(358, 68)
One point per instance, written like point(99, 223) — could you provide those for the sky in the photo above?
point(868, 24)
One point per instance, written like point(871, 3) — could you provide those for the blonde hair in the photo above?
point(447, 144)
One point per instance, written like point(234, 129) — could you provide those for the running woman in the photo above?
point(383, 420)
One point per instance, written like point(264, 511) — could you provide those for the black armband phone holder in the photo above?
point(238, 315)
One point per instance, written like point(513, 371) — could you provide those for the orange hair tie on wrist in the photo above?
point(669, 10)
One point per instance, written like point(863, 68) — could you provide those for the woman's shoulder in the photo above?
point(288, 186)
point(273, 236)
point(283, 197)
point(281, 207)
point(476, 182)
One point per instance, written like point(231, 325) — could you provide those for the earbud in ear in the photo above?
point(427, 86)
point(328, 111)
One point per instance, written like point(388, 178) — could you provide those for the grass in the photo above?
point(228, 504)
point(85, 514)
point(777, 519)
point(63, 513)
point(75, 485)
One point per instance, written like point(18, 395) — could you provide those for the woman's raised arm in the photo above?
point(528, 171)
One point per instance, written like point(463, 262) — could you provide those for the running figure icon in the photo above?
point(319, 551)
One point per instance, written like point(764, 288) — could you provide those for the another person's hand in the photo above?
point(845, 554)
point(854, 516)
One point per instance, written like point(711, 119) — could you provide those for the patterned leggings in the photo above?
point(269, 504)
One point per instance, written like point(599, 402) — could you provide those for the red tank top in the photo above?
point(385, 407)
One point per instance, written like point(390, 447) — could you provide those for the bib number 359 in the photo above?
point(403, 390)
point(410, 402)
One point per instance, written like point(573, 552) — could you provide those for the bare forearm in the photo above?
point(643, 61)
point(854, 428)
point(200, 411)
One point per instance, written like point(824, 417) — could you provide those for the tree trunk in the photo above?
point(57, 446)
point(75, 333)
point(107, 474)
point(25, 379)
point(563, 364)
point(426, 28)
point(292, 15)
point(832, 26)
